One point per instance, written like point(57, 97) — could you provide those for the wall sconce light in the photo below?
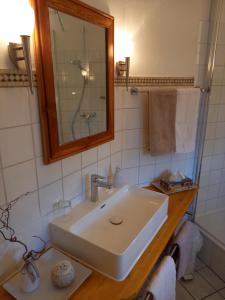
point(18, 35)
point(124, 50)
point(123, 69)
point(24, 48)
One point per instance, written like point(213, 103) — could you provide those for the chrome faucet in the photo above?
point(96, 182)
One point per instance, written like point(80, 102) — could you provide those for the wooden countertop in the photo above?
point(99, 287)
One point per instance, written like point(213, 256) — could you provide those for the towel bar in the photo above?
point(148, 296)
point(189, 214)
point(135, 90)
point(173, 250)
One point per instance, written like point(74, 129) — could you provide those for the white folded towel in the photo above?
point(188, 100)
point(163, 283)
point(189, 240)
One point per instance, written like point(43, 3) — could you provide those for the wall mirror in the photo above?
point(75, 72)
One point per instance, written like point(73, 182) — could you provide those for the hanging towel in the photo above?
point(188, 100)
point(162, 116)
point(163, 283)
point(189, 240)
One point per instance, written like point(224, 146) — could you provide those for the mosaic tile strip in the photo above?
point(14, 78)
point(156, 81)
point(17, 78)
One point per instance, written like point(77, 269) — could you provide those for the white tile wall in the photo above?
point(72, 186)
point(16, 145)
point(71, 164)
point(36, 130)
point(47, 174)
point(130, 158)
point(14, 107)
point(49, 195)
point(20, 179)
point(89, 157)
point(116, 144)
point(2, 192)
point(103, 166)
point(131, 139)
point(27, 210)
point(103, 151)
point(22, 167)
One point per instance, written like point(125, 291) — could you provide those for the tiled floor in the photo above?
point(206, 285)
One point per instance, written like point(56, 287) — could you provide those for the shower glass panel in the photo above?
point(79, 58)
point(210, 211)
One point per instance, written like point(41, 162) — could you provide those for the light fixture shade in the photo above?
point(26, 26)
point(124, 45)
point(16, 19)
point(27, 57)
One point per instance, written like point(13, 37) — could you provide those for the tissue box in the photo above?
point(174, 185)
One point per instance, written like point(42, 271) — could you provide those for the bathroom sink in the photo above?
point(111, 234)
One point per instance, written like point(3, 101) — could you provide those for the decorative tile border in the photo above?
point(155, 81)
point(18, 78)
point(14, 78)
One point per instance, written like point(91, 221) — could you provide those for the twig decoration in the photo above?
point(9, 234)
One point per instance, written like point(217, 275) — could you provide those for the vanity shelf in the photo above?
point(99, 287)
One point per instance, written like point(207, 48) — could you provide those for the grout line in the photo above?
point(3, 180)
point(19, 163)
point(17, 126)
point(209, 295)
point(205, 279)
point(180, 281)
point(139, 167)
point(76, 171)
point(220, 291)
point(214, 272)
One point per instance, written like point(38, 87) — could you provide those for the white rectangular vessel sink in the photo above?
point(111, 234)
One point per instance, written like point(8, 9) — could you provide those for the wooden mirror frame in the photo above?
point(52, 150)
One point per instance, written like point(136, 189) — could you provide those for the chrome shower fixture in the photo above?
point(88, 116)
point(77, 63)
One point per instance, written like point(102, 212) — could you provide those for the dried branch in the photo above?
point(8, 233)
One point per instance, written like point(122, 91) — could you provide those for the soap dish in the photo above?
point(46, 289)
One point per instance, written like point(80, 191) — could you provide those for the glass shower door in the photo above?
point(210, 209)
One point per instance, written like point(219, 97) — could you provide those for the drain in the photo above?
point(116, 220)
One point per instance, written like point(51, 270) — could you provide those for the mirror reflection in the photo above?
point(79, 63)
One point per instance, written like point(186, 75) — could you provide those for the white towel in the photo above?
point(188, 100)
point(189, 240)
point(163, 283)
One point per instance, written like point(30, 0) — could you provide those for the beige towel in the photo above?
point(188, 100)
point(163, 283)
point(162, 116)
point(189, 240)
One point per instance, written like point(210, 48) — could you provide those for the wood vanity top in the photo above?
point(99, 287)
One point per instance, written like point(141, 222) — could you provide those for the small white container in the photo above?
point(118, 178)
point(29, 278)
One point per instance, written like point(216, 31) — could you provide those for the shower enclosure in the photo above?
point(210, 167)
